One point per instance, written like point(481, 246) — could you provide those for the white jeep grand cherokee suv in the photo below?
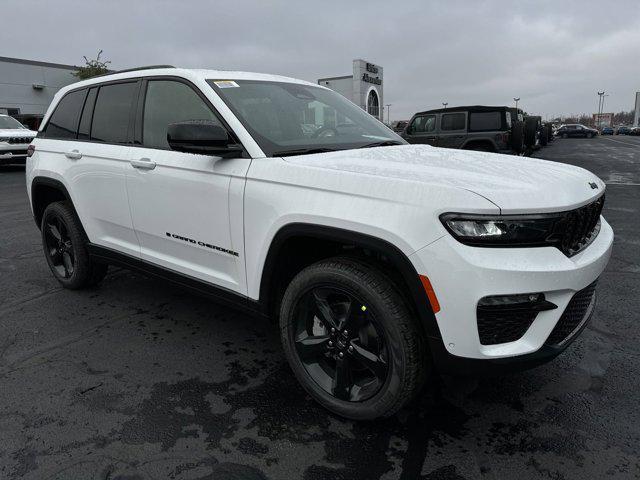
point(14, 141)
point(380, 260)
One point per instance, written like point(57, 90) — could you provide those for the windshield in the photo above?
point(11, 123)
point(289, 118)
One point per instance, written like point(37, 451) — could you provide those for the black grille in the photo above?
point(502, 326)
point(576, 313)
point(577, 228)
point(15, 152)
point(19, 140)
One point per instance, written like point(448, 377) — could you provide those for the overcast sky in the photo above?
point(554, 55)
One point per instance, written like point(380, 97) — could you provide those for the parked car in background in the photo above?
point(606, 131)
point(398, 125)
point(576, 130)
point(623, 130)
point(635, 131)
point(478, 127)
point(14, 140)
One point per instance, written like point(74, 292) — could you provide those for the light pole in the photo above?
point(445, 104)
point(388, 105)
point(516, 99)
point(600, 108)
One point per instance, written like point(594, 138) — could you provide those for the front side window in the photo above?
point(169, 102)
point(285, 118)
point(63, 123)
point(452, 121)
point(423, 124)
point(112, 112)
point(485, 121)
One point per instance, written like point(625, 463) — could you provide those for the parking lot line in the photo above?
point(633, 144)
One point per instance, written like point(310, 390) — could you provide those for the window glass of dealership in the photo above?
point(364, 87)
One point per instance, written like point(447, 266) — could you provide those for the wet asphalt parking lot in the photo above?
point(138, 380)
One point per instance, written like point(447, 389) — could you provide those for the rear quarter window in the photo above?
point(485, 121)
point(63, 123)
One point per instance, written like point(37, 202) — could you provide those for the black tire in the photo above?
point(589, 135)
point(565, 135)
point(530, 130)
point(65, 248)
point(335, 286)
point(544, 139)
point(517, 136)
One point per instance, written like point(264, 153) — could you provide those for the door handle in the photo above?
point(143, 164)
point(73, 154)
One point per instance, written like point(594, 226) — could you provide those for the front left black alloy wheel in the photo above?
point(64, 243)
point(351, 339)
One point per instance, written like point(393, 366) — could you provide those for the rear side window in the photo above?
point(85, 120)
point(169, 102)
point(484, 121)
point(64, 120)
point(112, 112)
point(452, 121)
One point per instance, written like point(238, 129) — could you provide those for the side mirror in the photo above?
point(201, 136)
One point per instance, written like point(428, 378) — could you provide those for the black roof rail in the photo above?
point(135, 69)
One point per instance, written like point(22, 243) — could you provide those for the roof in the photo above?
point(37, 63)
point(476, 108)
point(192, 74)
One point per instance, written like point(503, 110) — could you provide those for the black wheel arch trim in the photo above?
point(393, 253)
point(48, 182)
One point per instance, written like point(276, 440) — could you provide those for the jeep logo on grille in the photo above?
point(593, 185)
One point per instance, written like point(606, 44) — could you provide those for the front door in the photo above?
point(186, 208)
point(422, 129)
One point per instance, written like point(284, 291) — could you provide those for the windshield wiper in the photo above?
point(383, 143)
point(302, 151)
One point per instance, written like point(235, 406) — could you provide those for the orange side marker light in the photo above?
point(431, 295)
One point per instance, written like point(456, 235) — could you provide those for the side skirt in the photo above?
point(218, 294)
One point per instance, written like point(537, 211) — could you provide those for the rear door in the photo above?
point(453, 130)
point(422, 129)
point(187, 208)
point(93, 124)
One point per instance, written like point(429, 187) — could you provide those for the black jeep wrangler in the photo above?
point(478, 127)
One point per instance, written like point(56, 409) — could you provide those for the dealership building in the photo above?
point(363, 87)
point(27, 87)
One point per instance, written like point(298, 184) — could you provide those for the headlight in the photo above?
point(502, 230)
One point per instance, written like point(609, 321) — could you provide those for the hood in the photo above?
point(17, 132)
point(514, 184)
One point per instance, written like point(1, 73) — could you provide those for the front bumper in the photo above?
point(461, 275)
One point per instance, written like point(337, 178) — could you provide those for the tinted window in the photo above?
point(483, 121)
point(111, 113)
point(64, 120)
point(423, 124)
point(169, 102)
point(85, 119)
point(452, 121)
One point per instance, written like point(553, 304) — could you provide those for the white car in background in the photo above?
point(14, 140)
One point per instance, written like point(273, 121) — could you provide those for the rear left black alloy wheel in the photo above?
point(58, 246)
point(65, 247)
point(351, 340)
